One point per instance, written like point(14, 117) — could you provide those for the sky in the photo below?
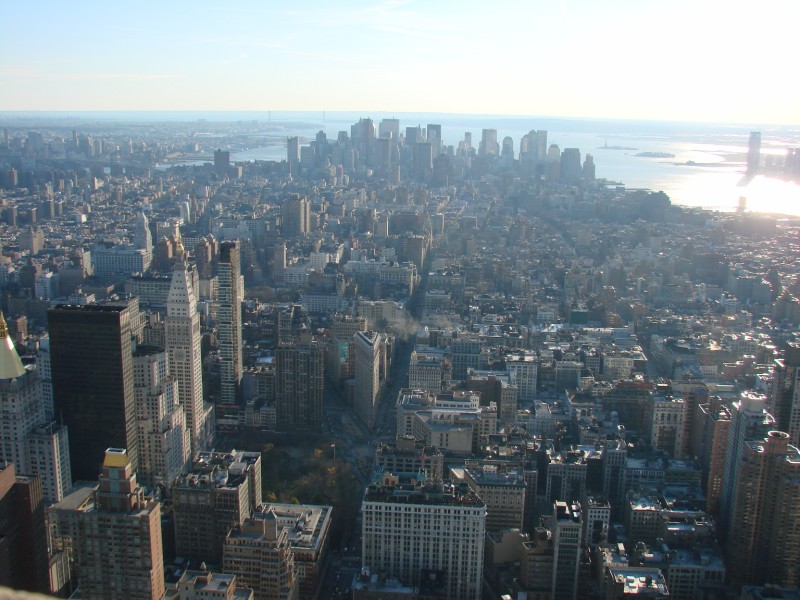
point(698, 60)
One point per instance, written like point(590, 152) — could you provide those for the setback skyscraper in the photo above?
point(114, 532)
point(182, 337)
point(164, 447)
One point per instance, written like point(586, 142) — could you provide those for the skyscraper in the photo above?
point(488, 145)
point(23, 534)
point(21, 407)
point(115, 534)
point(295, 216)
point(763, 543)
point(389, 128)
point(229, 315)
point(300, 380)
point(435, 138)
point(258, 553)
point(222, 161)
point(182, 337)
point(413, 135)
point(92, 374)
point(785, 398)
point(367, 380)
point(423, 159)
point(754, 152)
point(410, 524)
point(570, 170)
point(567, 527)
point(507, 149)
point(142, 238)
point(293, 154)
point(47, 448)
point(29, 435)
point(279, 262)
point(540, 144)
point(164, 446)
point(219, 492)
point(588, 168)
point(749, 421)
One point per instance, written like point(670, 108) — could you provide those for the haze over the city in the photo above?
point(709, 61)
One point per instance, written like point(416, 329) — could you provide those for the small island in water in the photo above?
point(655, 155)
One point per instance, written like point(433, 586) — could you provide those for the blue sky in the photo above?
point(701, 61)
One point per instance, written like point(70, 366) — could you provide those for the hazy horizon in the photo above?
point(315, 117)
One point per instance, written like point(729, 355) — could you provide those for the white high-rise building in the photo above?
point(410, 524)
point(186, 212)
point(47, 448)
point(142, 238)
point(20, 403)
point(28, 435)
point(524, 368)
point(367, 380)
point(164, 441)
point(667, 426)
point(182, 337)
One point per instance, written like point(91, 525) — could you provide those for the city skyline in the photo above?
point(572, 58)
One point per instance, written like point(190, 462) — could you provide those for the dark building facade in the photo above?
point(23, 535)
point(300, 379)
point(92, 374)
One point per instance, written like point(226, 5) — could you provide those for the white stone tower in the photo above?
point(182, 337)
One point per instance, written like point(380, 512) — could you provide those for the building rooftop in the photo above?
point(90, 308)
point(705, 557)
point(490, 476)
point(643, 581)
point(643, 503)
point(758, 592)
point(81, 498)
point(306, 524)
point(413, 488)
point(374, 583)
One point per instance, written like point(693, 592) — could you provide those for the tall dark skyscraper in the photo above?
point(222, 161)
point(229, 316)
point(413, 135)
point(92, 374)
point(300, 378)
